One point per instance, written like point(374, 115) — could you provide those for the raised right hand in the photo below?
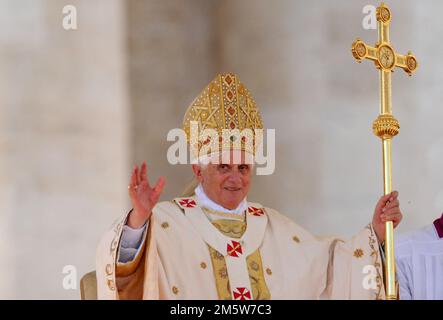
point(143, 197)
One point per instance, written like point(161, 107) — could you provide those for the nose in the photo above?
point(235, 177)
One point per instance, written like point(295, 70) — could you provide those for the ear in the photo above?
point(197, 172)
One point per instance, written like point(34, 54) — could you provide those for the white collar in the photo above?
point(204, 201)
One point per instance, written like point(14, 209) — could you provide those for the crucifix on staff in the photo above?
point(386, 127)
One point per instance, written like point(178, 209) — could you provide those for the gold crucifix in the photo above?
point(386, 126)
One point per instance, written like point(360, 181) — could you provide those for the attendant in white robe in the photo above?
point(419, 256)
point(215, 244)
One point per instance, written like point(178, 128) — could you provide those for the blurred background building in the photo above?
point(78, 108)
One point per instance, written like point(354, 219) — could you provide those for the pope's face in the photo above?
point(226, 184)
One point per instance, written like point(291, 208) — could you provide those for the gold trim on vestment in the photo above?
point(240, 217)
point(235, 229)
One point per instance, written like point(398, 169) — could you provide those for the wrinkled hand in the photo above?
point(143, 196)
point(387, 209)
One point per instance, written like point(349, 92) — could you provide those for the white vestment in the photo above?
point(175, 262)
point(419, 257)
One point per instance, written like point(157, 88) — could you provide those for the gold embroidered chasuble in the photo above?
point(235, 228)
point(183, 258)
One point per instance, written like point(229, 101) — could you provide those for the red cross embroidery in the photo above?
point(234, 249)
point(188, 203)
point(242, 294)
point(256, 211)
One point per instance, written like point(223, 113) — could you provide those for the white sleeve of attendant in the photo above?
point(402, 278)
point(131, 243)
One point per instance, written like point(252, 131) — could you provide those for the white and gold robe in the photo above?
point(185, 256)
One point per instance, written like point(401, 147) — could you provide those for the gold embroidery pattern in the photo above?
point(224, 104)
point(377, 263)
point(358, 253)
point(165, 225)
point(109, 269)
point(221, 274)
point(224, 214)
point(259, 288)
point(230, 228)
point(114, 243)
point(175, 290)
point(235, 229)
point(113, 251)
point(111, 285)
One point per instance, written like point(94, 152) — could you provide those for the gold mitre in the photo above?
point(223, 117)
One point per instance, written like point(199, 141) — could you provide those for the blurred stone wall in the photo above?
point(64, 140)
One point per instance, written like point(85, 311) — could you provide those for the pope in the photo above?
point(212, 243)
